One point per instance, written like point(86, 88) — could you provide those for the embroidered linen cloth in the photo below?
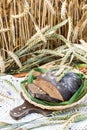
point(10, 98)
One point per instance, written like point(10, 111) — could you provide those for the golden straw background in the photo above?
point(21, 19)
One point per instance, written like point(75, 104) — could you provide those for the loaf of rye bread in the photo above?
point(39, 93)
point(61, 90)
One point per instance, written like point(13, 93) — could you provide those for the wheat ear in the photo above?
point(63, 10)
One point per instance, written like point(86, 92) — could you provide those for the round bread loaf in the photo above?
point(63, 89)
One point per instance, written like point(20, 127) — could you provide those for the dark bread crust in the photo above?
point(72, 81)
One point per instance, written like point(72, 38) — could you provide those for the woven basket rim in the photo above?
point(62, 107)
